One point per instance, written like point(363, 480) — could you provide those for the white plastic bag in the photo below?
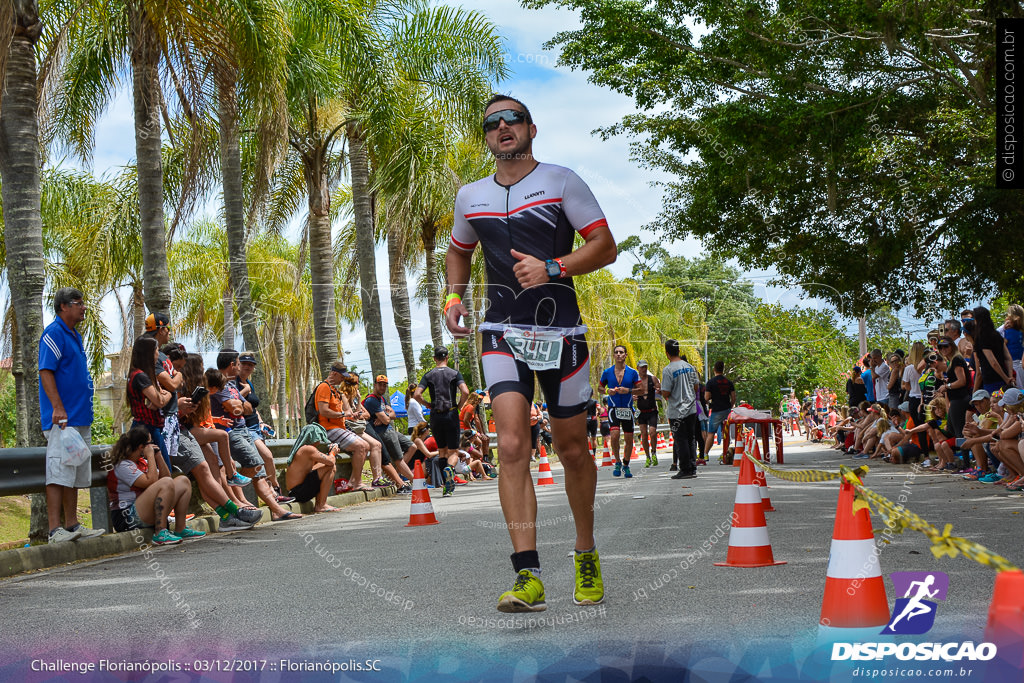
point(76, 452)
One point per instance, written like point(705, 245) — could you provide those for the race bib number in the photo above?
point(624, 414)
point(539, 349)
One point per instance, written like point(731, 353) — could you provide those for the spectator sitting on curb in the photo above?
point(65, 402)
point(941, 435)
point(145, 397)
point(254, 423)
point(228, 408)
point(311, 467)
point(140, 497)
point(1007, 436)
point(356, 423)
point(331, 415)
point(168, 378)
point(398, 448)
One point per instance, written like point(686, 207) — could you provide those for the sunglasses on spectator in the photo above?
point(509, 116)
point(944, 345)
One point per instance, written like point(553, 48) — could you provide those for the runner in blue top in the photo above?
point(621, 382)
point(526, 218)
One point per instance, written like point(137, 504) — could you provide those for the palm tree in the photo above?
point(20, 29)
point(453, 58)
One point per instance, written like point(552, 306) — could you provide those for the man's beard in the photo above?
point(518, 152)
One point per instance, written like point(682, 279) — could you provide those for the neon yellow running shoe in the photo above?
point(527, 595)
point(589, 586)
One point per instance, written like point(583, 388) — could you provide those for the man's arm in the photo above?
point(417, 395)
point(598, 251)
point(49, 382)
point(326, 413)
point(463, 394)
point(170, 383)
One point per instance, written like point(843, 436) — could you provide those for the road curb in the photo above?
point(21, 560)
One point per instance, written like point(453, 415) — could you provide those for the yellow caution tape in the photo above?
point(800, 475)
point(897, 517)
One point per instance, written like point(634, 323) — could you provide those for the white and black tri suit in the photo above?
point(539, 215)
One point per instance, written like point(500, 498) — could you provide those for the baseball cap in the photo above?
point(642, 364)
point(247, 357)
point(338, 366)
point(382, 378)
point(1011, 397)
point(156, 321)
point(905, 406)
point(980, 395)
point(440, 351)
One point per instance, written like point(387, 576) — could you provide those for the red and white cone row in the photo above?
point(854, 604)
point(421, 512)
point(762, 482)
point(609, 461)
point(737, 457)
point(749, 545)
point(544, 476)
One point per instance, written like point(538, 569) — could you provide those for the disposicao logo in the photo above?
point(914, 613)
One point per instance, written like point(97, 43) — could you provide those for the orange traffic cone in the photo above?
point(762, 482)
point(421, 512)
point(609, 461)
point(748, 538)
point(1005, 625)
point(737, 458)
point(544, 477)
point(854, 589)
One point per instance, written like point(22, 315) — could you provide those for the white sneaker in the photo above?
point(62, 535)
point(86, 532)
point(927, 463)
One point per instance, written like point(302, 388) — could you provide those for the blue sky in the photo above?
point(566, 109)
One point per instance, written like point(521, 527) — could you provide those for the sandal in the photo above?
point(286, 516)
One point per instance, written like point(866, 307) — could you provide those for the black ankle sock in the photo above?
point(527, 559)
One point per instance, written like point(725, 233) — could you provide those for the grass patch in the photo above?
point(14, 518)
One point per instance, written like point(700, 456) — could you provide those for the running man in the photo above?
point(526, 217)
point(620, 382)
point(647, 404)
point(914, 606)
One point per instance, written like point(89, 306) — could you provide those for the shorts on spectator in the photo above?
point(64, 475)
point(171, 430)
point(395, 445)
point(308, 489)
point(189, 455)
point(126, 519)
point(343, 437)
point(717, 419)
point(243, 452)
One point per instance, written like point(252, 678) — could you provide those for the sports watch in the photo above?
point(554, 268)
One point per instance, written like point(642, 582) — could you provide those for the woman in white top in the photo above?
point(911, 374)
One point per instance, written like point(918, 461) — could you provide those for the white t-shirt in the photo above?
point(911, 375)
point(881, 377)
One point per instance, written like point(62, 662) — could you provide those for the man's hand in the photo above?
point(530, 270)
point(185, 406)
point(451, 319)
point(60, 417)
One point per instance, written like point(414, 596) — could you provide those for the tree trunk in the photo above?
point(229, 320)
point(428, 234)
point(234, 220)
point(362, 210)
point(145, 60)
point(282, 387)
point(472, 352)
point(138, 311)
point(23, 228)
point(321, 262)
point(400, 300)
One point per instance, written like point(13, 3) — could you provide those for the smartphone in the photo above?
point(199, 394)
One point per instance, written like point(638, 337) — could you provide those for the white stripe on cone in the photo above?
point(749, 537)
point(421, 509)
point(418, 484)
point(853, 560)
point(748, 493)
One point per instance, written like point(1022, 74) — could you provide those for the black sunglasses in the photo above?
point(509, 116)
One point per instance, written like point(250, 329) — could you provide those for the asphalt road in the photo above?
point(357, 587)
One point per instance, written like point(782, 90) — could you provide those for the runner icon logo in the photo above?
point(914, 613)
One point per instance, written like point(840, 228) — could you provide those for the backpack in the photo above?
point(311, 411)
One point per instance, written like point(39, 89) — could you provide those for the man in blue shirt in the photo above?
point(620, 382)
point(869, 382)
point(65, 402)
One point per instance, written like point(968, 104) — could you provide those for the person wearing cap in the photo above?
point(647, 404)
point(448, 393)
point(331, 415)
point(980, 424)
point(397, 448)
point(254, 421)
point(65, 402)
point(228, 409)
point(1007, 435)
